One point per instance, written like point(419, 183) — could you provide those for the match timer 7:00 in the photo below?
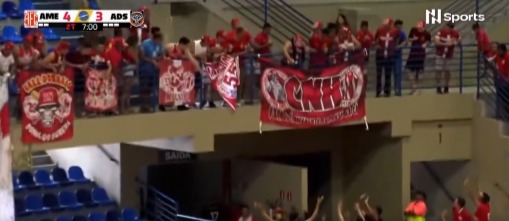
point(83, 27)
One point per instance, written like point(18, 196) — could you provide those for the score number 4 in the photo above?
point(98, 17)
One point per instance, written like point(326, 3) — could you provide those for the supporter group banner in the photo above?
point(100, 91)
point(47, 110)
point(333, 96)
point(176, 82)
point(224, 77)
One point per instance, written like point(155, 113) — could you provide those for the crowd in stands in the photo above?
point(133, 57)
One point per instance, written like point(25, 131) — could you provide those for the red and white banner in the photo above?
point(335, 96)
point(47, 106)
point(6, 188)
point(176, 82)
point(225, 77)
point(100, 91)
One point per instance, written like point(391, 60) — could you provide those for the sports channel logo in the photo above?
point(435, 16)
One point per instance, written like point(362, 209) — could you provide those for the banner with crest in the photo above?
point(176, 82)
point(100, 91)
point(47, 106)
point(225, 78)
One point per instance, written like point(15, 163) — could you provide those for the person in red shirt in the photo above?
point(502, 80)
point(39, 42)
point(222, 43)
point(239, 41)
point(347, 44)
point(365, 37)
point(483, 41)
point(481, 200)
point(262, 43)
point(55, 60)
point(386, 39)
point(317, 56)
point(26, 54)
point(459, 212)
point(446, 40)
point(419, 39)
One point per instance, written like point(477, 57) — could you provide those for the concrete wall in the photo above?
point(95, 164)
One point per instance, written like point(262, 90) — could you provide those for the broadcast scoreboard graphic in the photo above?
point(83, 20)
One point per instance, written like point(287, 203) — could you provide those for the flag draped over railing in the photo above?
point(6, 188)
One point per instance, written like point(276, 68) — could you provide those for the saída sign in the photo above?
point(173, 156)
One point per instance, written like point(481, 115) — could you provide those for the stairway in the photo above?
point(41, 160)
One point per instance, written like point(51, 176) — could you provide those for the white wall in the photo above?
point(95, 164)
point(185, 144)
point(262, 181)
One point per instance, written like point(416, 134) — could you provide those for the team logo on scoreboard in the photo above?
point(137, 19)
point(31, 19)
point(83, 16)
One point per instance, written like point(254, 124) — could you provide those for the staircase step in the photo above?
point(41, 160)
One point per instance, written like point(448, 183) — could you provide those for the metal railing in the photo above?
point(156, 205)
point(493, 90)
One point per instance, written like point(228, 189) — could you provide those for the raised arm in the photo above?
point(317, 208)
point(340, 211)
point(372, 211)
point(443, 215)
point(359, 211)
point(264, 213)
point(470, 193)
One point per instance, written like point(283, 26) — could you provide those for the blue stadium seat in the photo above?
point(113, 215)
point(50, 35)
point(97, 216)
point(9, 33)
point(68, 200)
point(60, 176)
point(26, 5)
point(63, 218)
point(129, 214)
point(93, 5)
point(15, 184)
point(50, 200)
point(33, 204)
point(2, 16)
point(10, 9)
point(42, 178)
point(80, 218)
point(76, 175)
point(26, 180)
point(23, 31)
point(19, 208)
point(100, 196)
point(85, 197)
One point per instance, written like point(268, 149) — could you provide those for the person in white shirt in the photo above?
point(7, 63)
point(200, 50)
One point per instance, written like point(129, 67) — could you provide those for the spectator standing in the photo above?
point(483, 41)
point(27, 56)
point(130, 60)
point(386, 39)
point(78, 58)
point(152, 51)
point(54, 61)
point(446, 40)
point(317, 57)
point(8, 67)
point(366, 38)
point(419, 39)
point(239, 40)
point(502, 81)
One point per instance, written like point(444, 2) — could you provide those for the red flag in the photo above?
point(335, 96)
point(225, 78)
point(46, 99)
point(6, 188)
point(100, 91)
point(176, 82)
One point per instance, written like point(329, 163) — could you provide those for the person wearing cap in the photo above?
point(239, 40)
point(27, 56)
point(387, 40)
point(54, 61)
point(152, 51)
point(419, 39)
point(445, 41)
point(222, 42)
point(7, 62)
point(294, 51)
point(317, 58)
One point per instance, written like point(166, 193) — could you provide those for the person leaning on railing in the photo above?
point(502, 82)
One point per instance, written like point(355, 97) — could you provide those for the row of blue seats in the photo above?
point(43, 179)
point(11, 10)
point(10, 33)
point(127, 214)
point(66, 200)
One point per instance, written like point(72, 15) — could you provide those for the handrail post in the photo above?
point(266, 10)
point(461, 69)
point(399, 75)
point(478, 74)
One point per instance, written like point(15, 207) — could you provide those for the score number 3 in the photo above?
point(98, 16)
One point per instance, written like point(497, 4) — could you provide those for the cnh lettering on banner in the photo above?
point(436, 16)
